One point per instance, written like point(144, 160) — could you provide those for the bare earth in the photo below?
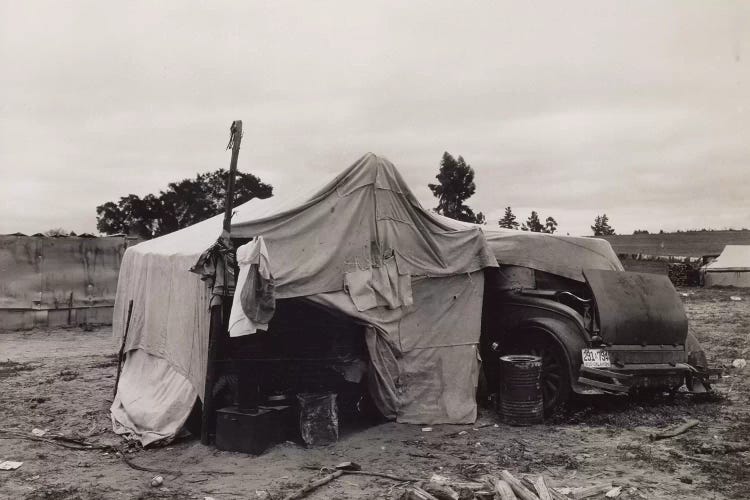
point(61, 380)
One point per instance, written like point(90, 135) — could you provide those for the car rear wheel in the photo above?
point(555, 373)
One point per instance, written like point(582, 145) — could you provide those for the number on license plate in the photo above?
point(595, 358)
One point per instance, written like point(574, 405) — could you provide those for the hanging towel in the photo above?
point(254, 303)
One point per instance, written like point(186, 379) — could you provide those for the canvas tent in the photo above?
point(362, 245)
point(731, 268)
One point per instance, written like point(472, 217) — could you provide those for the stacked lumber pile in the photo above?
point(682, 274)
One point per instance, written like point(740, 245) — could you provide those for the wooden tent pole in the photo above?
point(236, 130)
point(216, 328)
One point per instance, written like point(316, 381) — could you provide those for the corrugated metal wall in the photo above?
point(58, 281)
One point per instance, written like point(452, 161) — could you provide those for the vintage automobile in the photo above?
point(597, 328)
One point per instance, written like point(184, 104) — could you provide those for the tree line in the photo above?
point(180, 205)
point(456, 185)
point(186, 202)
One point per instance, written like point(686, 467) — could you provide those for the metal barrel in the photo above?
point(521, 399)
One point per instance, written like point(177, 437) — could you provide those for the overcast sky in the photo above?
point(637, 109)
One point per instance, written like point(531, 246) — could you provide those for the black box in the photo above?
point(251, 431)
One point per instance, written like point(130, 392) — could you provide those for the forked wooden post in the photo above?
point(216, 328)
point(236, 131)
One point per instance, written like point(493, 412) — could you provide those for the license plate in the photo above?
point(595, 358)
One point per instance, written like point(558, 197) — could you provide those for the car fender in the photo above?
point(695, 355)
point(567, 334)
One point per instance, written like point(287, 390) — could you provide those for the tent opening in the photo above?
point(307, 349)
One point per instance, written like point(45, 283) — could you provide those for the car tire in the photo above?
point(556, 388)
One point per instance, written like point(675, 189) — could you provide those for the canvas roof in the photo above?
point(733, 258)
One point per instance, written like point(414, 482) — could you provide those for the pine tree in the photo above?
point(550, 225)
point(533, 223)
point(456, 185)
point(601, 226)
point(509, 220)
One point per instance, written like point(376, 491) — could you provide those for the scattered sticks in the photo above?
point(80, 445)
point(674, 432)
point(302, 492)
point(504, 487)
point(380, 474)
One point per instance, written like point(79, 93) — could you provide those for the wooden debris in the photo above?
point(466, 494)
point(685, 456)
point(556, 495)
point(502, 489)
point(674, 432)
point(416, 493)
point(541, 489)
point(459, 485)
point(380, 474)
point(348, 466)
point(591, 491)
point(440, 491)
point(301, 493)
point(519, 489)
point(724, 448)
point(505, 486)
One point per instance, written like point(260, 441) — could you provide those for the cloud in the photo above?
point(638, 110)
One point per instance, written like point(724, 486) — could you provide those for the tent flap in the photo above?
point(154, 405)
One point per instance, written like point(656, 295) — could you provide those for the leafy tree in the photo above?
point(601, 226)
point(456, 185)
point(509, 220)
point(550, 225)
point(131, 215)
point(182, 204)
point(480, 219)
point(642, 231)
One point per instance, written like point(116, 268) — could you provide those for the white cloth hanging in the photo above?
point(253, 303)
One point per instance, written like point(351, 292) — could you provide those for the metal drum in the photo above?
point(521, 400)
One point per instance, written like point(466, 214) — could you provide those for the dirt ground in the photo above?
point(62, 381)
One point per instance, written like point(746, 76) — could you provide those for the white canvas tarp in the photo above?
point(362, 230)
point(731, 268)
point(362, 245)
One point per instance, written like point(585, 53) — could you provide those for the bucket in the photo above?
point(521, 399)
point(318, 418)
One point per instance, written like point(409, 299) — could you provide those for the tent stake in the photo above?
point(122, 347)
